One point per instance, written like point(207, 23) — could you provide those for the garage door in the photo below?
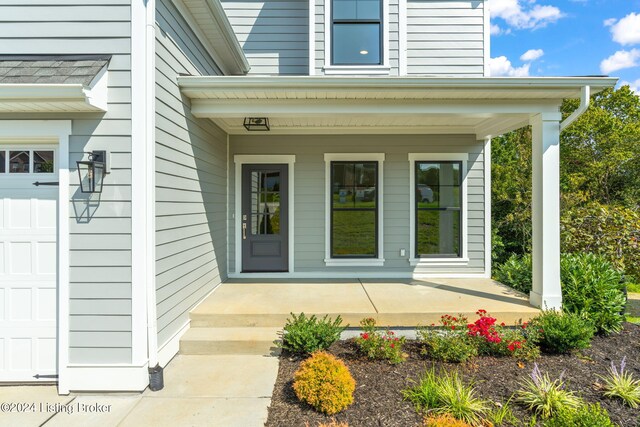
point(28, 260)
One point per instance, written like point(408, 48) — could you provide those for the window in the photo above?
point(354, 209)
point(356, 27)
point(438, 201)
point(353, 215)
point(19, 161)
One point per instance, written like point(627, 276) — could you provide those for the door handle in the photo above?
point(244, 231)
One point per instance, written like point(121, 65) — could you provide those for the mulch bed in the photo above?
point(378, 400)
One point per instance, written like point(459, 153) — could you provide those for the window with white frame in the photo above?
point(354, 213)
point(356, 28)
point(438, 205)
point(438, 208)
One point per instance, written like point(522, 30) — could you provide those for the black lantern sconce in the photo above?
point(253, 124)
point(91, 172)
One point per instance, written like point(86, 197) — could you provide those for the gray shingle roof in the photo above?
point(78, 69)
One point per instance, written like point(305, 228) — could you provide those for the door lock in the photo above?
point(244, 231)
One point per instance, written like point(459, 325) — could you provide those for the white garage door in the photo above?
point(28, 260)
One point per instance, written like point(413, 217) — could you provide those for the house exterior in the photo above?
point(376, 163)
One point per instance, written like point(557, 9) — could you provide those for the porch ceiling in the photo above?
point(481, 106)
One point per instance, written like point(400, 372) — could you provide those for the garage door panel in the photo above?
point(46, 258)
point(19, 214)
point(44, 219)
point(44, 309)
point(20, 302)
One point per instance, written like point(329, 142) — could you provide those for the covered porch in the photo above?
point(403, 121)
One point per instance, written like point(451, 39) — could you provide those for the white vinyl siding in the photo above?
point(273, 34)
point(309, 209)
point(445, 38)
point(191, 170)
point(100, 233)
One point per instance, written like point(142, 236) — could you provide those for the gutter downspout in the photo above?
point(156, 381)
point(585, 101)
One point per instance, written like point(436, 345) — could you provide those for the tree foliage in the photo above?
point(599, 182)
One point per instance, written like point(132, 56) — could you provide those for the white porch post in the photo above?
point(546, 292)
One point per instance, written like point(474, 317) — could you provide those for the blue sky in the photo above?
point(566, 38)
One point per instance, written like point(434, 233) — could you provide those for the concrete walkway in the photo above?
point(202, 391)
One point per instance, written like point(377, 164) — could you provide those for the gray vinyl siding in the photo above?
point(100, 233)
point(191, 170)
point(273, 34)
point(445, 38)
point(309, 194)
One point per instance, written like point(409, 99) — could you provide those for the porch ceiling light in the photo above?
point(91, 172)
point(253, 124)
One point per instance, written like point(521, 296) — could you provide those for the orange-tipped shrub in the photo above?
point(324, 382)
point(444, 420)
point(333, 423)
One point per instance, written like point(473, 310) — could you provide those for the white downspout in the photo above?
point(585, 101)
point(150, 143)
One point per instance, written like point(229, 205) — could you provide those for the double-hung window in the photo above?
point(438, 211)
point(356, 27)
point(354, 214)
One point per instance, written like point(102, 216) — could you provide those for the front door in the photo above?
point(264, 223)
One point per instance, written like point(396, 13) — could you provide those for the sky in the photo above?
point(566, 38)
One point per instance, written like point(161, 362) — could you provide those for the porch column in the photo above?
point(546, 292)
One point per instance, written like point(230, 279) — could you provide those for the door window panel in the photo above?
point(43, 161)
point(265, 202)
point(3, 161)
point(19, 161)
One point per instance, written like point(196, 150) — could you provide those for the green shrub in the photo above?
point(448, 343)
point(544, 396)
point(324, 382)
point(446, 347)
point(502, 415)
point(305, 335)
point(516, 273)
point(584, 416)
point(622, 385)
point(380, 345)
point(560, 333)
point(611, 231)
point(447, 394)
point(593, 288)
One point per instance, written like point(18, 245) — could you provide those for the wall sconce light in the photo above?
point(256, 124)
point(91, 172)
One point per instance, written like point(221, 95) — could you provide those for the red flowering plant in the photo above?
point(497, 340)
point(380, 344)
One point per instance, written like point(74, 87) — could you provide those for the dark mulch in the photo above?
point(378, 400)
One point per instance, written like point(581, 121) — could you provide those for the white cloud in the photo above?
point(634, 86)
point(609, 22)
point(502, 67)
point(524, 14)
point(532, 55)
point(620, 60)
point(496, 30)
point(627, 30)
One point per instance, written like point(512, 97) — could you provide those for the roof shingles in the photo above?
point(68, 71)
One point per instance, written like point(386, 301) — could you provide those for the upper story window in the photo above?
point(356, 27)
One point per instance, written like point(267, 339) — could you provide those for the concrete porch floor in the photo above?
point(399, 303)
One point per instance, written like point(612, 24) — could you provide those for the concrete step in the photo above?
point(405, 320)
point(230, 341)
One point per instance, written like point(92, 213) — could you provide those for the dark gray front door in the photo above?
point(265, 218)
